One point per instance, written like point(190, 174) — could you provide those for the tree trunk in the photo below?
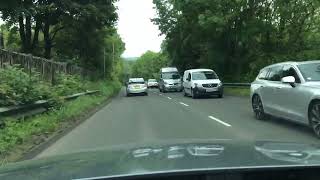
point(36, 34)
point(22, 32)
point(28, 33)
point(47, 39)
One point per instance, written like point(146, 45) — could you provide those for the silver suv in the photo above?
point(289, 90)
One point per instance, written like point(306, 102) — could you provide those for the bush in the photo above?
point(67, 85)
point(18, 87)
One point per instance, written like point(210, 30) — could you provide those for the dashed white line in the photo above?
point(169, 97)
point(184, 104)
point(219, 121)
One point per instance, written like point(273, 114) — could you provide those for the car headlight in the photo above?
point(220, 84)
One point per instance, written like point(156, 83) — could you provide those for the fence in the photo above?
point(48, 69)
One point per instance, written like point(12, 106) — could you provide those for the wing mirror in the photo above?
point(289, 80)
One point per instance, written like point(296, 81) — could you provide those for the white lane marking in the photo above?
point(184, 104)
point(169, 97)
point(219, 121)
point(160, 94)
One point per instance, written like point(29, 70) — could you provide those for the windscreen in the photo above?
point(204, 75)
point(170, 75)
point(310, 71)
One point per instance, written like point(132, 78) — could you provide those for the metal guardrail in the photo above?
point(237, 84)
point(40, 106)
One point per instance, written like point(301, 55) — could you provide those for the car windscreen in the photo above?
point(136, 82)
point(310, 71)
point(152, 80)
point(170, 75)
point(204, 75)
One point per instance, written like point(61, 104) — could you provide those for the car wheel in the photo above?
point(128, 94)
point(164, 90)
point(184, 93)
point(314, 118)
point(193, 95)
point(146, 94)
point(257, 107)
point(220, 95)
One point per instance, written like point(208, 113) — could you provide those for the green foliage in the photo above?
point(149, 65)
point(67, 85)
point(17, 132)
point(237, 91)
point(237, 37)
point(73, 31)
point(18, 87)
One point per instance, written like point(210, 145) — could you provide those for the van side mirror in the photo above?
point(289, 80)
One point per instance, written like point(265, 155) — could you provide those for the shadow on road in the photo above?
point(291, 125)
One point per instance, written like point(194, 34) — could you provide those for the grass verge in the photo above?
point(19, 137)
point(237, 91)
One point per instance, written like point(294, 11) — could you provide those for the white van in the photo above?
point(170, 80)
point(199, 82)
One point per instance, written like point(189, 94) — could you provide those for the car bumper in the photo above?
point(136, 91)
point(172, 88)
point(153, 85)
point(208, 91)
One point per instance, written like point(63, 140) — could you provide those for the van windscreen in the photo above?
point(170, 75)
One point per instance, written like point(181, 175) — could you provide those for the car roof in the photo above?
point(198, 70)
point(169, 69)
point(136, 79)
point(294, 63)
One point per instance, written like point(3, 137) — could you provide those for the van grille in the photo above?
point(209, 85)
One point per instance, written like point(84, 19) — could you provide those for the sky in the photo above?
point(136, 29)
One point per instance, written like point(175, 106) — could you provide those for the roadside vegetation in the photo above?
point(237, 91)
point(82, 34)
point(33, 131)
point(237, 38)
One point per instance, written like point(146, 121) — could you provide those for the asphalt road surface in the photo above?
point(168, 116)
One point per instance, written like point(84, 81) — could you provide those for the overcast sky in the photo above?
point(135, 27)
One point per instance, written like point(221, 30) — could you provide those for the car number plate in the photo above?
point(211, 90)
point(136, 87)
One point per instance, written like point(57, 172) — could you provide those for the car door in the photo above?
point(292, 100)
point(187, 82)
point(270, 91)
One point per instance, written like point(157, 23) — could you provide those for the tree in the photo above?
point(237, 37)
point(149, 64)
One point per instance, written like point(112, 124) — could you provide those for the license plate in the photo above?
point(211, 90)
point(136, 87)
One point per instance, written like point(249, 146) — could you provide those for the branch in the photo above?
point(55, 31)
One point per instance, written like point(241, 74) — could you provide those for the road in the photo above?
point(167, 116)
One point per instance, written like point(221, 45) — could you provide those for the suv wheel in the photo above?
point(193, 95)
point(184, 92)
point(257, 107)
point(314, 117)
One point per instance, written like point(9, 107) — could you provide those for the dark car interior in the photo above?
point(303, 173)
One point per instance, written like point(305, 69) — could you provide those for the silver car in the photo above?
point(136, 86)
point(289, 90)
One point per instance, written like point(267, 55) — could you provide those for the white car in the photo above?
point(152, 83)
point(199, 82)
point(289, 90)
point(136, 86)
